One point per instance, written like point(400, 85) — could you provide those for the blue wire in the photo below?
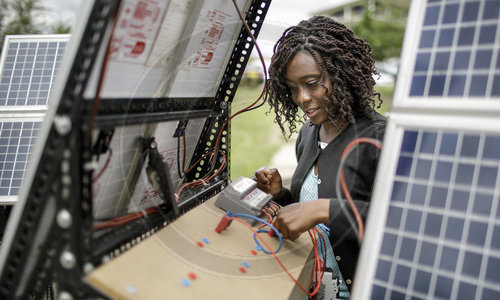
point(322, 251)
point(325, 229)
point(255, 236)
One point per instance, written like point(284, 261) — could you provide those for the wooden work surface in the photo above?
point(159, 267)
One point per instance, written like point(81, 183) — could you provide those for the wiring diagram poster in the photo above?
point(136, 29)
point(207, 51)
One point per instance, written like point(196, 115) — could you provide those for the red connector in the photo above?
point(223, 224)
point(271, 232)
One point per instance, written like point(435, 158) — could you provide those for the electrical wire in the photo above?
point(215, 150)
point(178, 157)
point(278, 234)
point(105, 166)
point(100, 82)
point(357, 225)
point(317, 262)
point(202, 181)
point(120, 220)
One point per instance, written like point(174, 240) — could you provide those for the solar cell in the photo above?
point(441, 235)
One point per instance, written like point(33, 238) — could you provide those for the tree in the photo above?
point(60, 27)
point(19, 17)
point(24, 13)
point(383, 28)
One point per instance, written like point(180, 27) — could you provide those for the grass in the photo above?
point(255, 138)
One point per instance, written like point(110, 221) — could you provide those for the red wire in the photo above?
point(212, 159)
point(203, 180)
point(348, 196)
point(126, 218)
point(274, 205)
point(97, 100)
point(279, 261)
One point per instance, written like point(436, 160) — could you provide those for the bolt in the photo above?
point(62, 124)
point(63, 295)
point(67, 260)
point(64, 219)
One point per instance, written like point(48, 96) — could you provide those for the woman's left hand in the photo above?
point(294, 219)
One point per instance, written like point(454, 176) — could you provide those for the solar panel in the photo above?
point(453, 54)
point(441, 237)
point(433, 229)
point(28, 67)
point(17, 138)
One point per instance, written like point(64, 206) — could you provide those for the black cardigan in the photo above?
point(359, 173)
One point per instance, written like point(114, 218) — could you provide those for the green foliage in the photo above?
point(254, 136)
point(23, 21)
point(60, 28)
point(19, 17)
point(384, 28)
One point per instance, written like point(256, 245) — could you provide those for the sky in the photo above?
point(281, 14)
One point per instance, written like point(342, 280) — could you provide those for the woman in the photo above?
point(323, 69)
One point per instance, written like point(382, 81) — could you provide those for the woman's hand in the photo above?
point(294, 219)
point(269, 181)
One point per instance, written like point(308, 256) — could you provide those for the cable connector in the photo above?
point(271, 233)
point(224, 223)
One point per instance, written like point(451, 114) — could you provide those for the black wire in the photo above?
point(179, 156)
point(260, 105)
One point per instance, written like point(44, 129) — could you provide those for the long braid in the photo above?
point(344, 57)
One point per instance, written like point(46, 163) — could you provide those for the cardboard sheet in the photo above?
point(159, 267)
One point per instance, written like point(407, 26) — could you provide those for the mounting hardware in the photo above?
point(67, 260)
point(64, 219)
point(63, 295)
point(62, 124)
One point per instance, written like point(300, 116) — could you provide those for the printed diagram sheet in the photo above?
point(136, 30)
point(176, 48)
point(170, 35)
point(206, 54)
point(112, 196)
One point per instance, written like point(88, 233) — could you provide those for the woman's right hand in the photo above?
point(269, 181)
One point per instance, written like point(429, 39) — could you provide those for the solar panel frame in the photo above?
point(403, 101)
point(382, 194)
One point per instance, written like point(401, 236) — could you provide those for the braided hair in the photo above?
point(340, 54)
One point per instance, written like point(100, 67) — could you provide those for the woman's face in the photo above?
point(303, 77)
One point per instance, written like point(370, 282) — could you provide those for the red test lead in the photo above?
point(223, 224)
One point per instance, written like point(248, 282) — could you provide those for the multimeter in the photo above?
point(242, 196)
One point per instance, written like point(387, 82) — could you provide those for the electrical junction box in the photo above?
point(243, 197)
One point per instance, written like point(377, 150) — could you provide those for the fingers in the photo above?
point(261, 176)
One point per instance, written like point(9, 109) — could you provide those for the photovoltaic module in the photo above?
point(433, 229)
point(28, 67)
